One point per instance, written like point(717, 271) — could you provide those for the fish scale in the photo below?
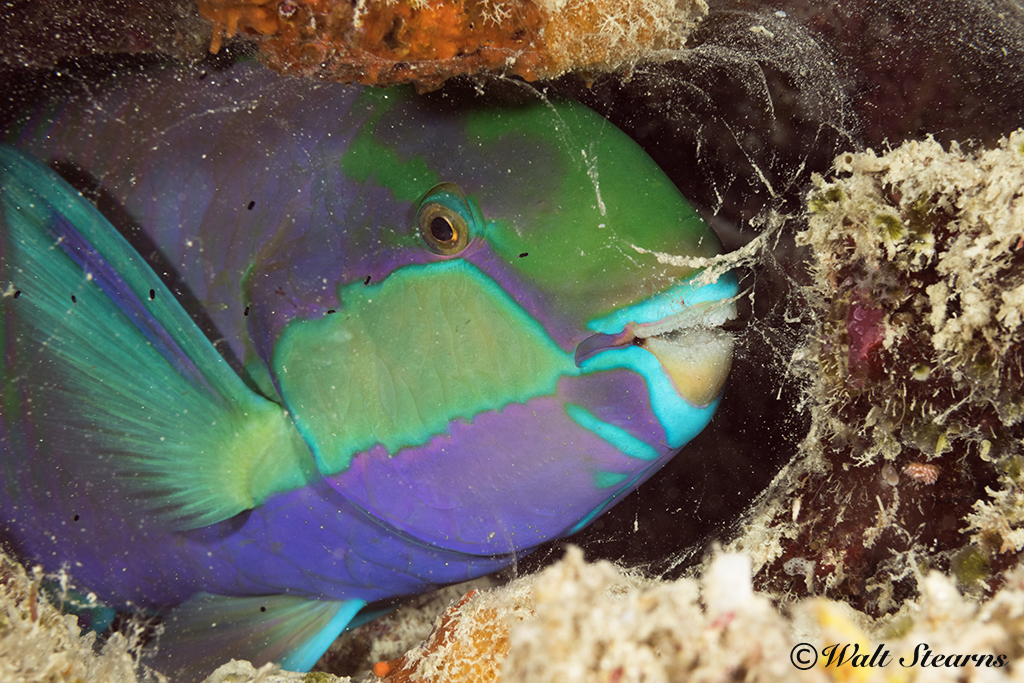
point(316, 346)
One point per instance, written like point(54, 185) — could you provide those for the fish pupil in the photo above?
point(442, 230)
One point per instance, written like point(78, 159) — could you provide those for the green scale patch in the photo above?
point(400, 360)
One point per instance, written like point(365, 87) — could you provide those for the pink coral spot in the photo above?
point(922, 472)
point(866, 330)
point(287, 9)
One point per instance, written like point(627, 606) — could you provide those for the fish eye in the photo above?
point(443, 219)
point(442, 230)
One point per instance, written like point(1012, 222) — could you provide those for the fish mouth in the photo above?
point(689, 344)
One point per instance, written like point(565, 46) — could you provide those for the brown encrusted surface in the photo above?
point(916, 382)
point(468, 644)
point(383, 42)
point(378, 42)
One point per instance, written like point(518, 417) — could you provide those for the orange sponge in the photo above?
point(382, 42)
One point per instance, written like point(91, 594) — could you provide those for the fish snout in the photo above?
point(691, 347)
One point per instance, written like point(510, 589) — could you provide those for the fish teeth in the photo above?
point(707, 314)
point(692, 349)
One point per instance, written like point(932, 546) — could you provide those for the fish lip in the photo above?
point(600, 342)
point(679, 328)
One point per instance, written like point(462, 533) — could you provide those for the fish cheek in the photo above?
point(401, 360)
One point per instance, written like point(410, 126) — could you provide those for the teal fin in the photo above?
point(209, 630)
point(92, 615)
point(131, 400)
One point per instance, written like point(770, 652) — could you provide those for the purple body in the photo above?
point(240, 192)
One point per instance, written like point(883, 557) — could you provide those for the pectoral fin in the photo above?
point(109, 389)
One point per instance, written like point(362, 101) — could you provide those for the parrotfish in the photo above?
point(276, 349)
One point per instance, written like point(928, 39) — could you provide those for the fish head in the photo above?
point(485, 346)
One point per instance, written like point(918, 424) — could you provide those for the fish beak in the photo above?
point(696, 359)
point(692, 349)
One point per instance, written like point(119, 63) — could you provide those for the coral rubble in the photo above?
point(580, 621)
point(916, 372)
point(382, 42)
point(39, 643)
point(596, 622)
point(237, 671)
point(468, 644)
point(387, 638)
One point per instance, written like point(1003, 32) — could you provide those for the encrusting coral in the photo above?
point(596, 622)
point(580, 621)
point(469, 642)
point(39, 643)
point(382, 42)
point(916, 376)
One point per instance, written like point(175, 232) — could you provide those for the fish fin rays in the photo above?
point(108, 386)
point(209, 630)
